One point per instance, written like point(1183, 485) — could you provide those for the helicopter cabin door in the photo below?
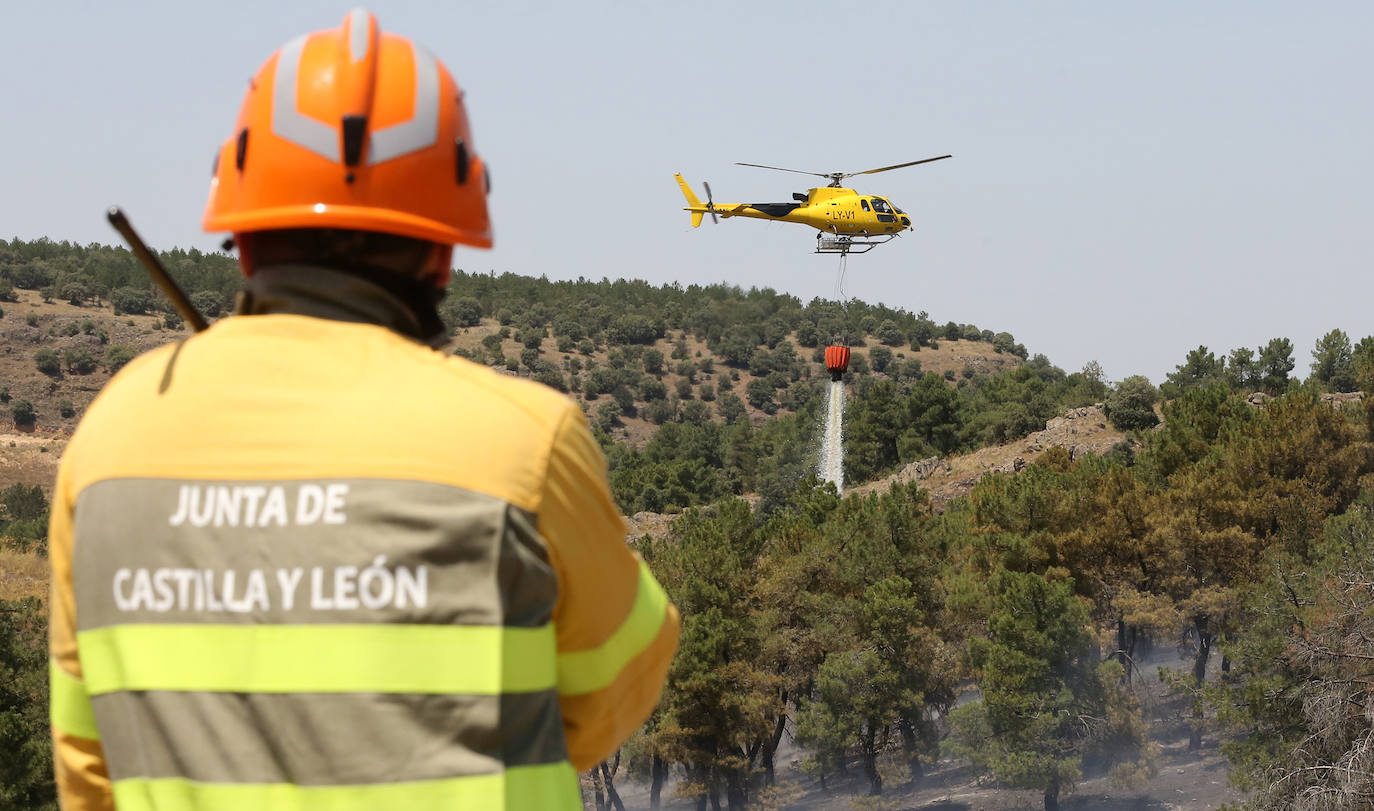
point(883, 212)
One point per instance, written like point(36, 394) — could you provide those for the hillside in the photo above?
point(690, 371)
point(74, 334)
point(93, 330)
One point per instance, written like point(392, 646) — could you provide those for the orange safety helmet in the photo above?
point(353, 128)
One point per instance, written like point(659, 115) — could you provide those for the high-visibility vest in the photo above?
point(301, 564)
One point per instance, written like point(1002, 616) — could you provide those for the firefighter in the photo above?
point(302, 559)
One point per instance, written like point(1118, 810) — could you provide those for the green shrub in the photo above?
point(880, 357)
point(130, 300)
point(889, 333)
point(208, 302)
point(24, 413)
point(118, 355)
point(79, 360)
point(1130, 407)
point(660, 411)
point(653, 361)
point(47, 362)
point(608, 415)
point(696, 412)
point(466, 311)
point(651, 388)
point(75, 293)
point(730, 407)
point(549, 375)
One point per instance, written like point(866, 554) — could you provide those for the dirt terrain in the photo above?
point(31, 324)
point(1185, 782)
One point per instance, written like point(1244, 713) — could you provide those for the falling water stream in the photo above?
point(832, 442)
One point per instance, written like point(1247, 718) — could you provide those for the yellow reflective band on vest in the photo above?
point(476, 660)
point(586, 671)
point(552, 787)
point(70, 709)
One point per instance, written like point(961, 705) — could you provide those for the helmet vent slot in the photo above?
point(460, 156)
point(354, 129)
point(241, 149)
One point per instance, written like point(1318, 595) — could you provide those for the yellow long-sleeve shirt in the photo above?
point(299, 560)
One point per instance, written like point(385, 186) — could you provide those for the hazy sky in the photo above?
point(1130, 180)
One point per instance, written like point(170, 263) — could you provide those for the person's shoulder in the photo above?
point(147, 366)
point(132, 386)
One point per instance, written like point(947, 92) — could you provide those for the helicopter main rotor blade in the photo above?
point(710, 204)
point(899, 166)
point(780, 169)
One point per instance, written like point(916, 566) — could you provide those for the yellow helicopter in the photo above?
point(846, 221)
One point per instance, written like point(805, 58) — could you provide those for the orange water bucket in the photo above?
point(837, 361)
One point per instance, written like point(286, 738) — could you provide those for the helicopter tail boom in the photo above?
point(693, 203)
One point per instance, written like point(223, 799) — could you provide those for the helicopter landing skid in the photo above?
point(844, 244)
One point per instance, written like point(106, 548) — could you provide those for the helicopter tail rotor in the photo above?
point(694, 205)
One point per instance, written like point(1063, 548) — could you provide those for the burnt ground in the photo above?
point(1183, 780)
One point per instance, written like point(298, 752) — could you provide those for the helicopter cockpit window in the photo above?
point(880, 205)
point(864, 204)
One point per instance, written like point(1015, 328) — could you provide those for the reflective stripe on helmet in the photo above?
point(288, 122)
point(359, 25)
point(386, 143)
point(423, 127)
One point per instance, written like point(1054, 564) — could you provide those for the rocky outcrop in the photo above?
point(1082, 431)
point(924, 469)
point(1334, 398)
point(1338, 398)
